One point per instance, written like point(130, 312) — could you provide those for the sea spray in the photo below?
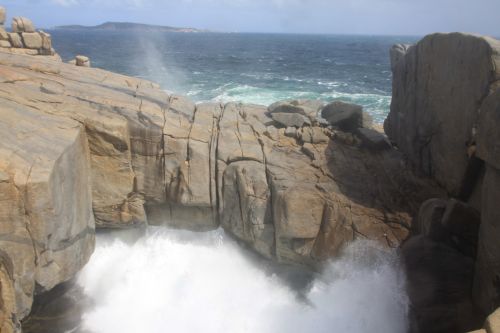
point(177, 281)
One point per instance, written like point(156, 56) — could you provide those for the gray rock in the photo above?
point(5, 43)
point(345, 116)
point(438, 87)
point(290, 119)
point(445, 118)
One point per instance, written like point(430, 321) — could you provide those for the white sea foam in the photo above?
point(173, 281)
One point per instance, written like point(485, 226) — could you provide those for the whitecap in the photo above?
point(177, 281)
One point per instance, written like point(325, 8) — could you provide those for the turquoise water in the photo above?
point(252, 68)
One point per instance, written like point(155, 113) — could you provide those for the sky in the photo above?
point(373, 17)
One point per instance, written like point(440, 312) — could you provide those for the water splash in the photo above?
point(175, 281)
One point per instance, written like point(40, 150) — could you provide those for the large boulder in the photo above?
point(445, 117)
point(439, 85)
point(22, 24)
point(343, 115)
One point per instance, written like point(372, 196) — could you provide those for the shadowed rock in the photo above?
point(345, 116)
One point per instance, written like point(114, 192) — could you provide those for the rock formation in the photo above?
point(84, 147)
point(24, 39)
point(445, 116)
point(81, 61)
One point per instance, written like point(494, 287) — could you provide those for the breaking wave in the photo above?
point(177, 281)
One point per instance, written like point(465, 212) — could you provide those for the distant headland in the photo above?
point(128, 26)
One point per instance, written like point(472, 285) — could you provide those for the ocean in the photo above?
point(250, 68)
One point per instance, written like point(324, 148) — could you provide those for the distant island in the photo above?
point(128, 26)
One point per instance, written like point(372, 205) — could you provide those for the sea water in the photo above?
point(250, 68)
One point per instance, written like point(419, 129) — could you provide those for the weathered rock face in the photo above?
point(438, 88)
point(86, 146)
point(445, 116)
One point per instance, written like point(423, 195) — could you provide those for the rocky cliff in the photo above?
point(445, 116)
point(85, 148)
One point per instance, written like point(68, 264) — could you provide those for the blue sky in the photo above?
point(401, 17)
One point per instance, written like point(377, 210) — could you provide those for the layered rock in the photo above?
point(445, 116)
